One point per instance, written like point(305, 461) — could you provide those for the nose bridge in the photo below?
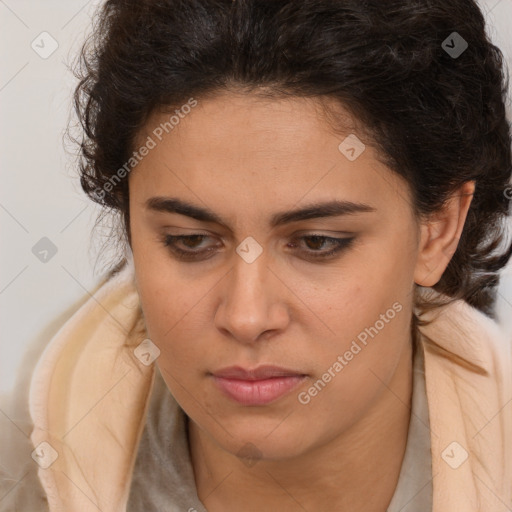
point(248, 283)
point(249, 303)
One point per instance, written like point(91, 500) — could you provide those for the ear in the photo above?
point(440, 236)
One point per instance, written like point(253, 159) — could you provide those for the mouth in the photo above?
point(260, 386)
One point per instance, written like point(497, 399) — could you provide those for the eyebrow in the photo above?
point(316, 210)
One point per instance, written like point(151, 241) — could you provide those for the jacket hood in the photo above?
point(88, 400)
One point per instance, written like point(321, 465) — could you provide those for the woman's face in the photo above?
point(259, 283)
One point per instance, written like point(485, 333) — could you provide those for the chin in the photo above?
point(252, 447)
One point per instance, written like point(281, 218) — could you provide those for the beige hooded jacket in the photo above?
point(89, 398)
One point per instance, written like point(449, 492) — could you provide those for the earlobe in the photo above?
point(440, 236)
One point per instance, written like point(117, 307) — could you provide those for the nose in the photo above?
point(253, 302)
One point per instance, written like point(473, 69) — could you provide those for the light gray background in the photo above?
point(40, 194)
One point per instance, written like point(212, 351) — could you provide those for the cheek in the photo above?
point(353, 298)
point(368, 314)
point(164, 296)
point(367, 327)
point(174, 313)
point(173, 325)
point(170, 312)
point(358, 367)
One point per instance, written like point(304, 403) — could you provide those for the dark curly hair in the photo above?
point(438, 119)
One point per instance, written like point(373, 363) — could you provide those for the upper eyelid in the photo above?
point(335, 239)
point(298, 234)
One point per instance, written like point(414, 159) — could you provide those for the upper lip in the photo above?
point(259, 373)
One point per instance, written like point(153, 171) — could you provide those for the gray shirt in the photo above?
point(163, 477)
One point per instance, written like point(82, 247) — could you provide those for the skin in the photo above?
point(245, 159)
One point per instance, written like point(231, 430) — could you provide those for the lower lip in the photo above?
point(258, 392)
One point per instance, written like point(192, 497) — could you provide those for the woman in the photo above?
point(311, 200)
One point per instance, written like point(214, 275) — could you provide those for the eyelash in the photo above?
point(341, 244)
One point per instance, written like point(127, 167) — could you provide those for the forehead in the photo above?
point(244, 150)
point(275, 124)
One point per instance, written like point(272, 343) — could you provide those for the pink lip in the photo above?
point(266, 371)
point(259, 386)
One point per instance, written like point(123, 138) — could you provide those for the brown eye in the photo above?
point(315, 243)
point(191, 248)
point(185, 246)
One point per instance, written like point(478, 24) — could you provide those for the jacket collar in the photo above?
point(461, 333)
